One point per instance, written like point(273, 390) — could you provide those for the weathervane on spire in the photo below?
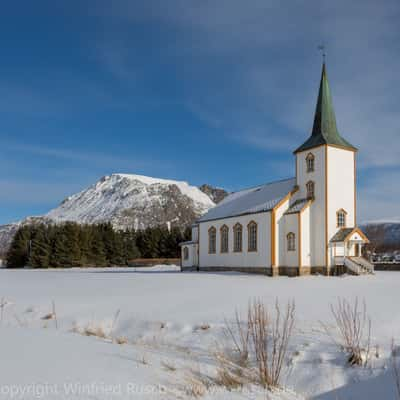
point(322, 49)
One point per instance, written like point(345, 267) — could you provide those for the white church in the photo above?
point(297, 226)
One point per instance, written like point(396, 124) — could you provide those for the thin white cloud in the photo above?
point(90, 158)
point(19, 192)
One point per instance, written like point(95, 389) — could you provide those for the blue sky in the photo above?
point(217, 92)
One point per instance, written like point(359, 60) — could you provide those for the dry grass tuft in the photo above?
point(121, 340)
point(97, 331)
point(169, 366)
point(204, 327)
point(194, 387)
point(144, 360)
point(48, 316)
point(230, 374)
point(196, 384)
point(353, 326)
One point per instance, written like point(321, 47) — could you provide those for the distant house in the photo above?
point(302, 225)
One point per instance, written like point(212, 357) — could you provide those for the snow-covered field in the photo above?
point(171, 322)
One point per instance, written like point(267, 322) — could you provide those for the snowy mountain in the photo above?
point(383, 233)
point(127, 201)
point(134, 201)
point(215, 194)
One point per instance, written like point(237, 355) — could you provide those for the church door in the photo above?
point(357, 250)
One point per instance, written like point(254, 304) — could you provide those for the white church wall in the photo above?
point(305, 238)
point(338, 249)
point(280, 235)
point(291, 258)
point(192, 255)
point(259, 258)
point(195, 233)
point(341, 188)
point(317, 208)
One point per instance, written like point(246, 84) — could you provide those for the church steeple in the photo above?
point(324, 128)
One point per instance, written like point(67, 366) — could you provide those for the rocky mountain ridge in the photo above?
point(127, 201)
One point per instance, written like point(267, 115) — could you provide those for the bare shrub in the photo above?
point(2, 305)
point(239, 334)
point(260, 346)
point(114, 321)
point(270, 339)
point(353, 326)
point(396, 368)
point(54, 313)
point(51, 315)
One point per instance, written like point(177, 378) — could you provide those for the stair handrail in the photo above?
point(365, 264)
point(352, 266)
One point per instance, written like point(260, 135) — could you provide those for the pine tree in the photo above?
point(187, 234)
point(131, 250)
point(60, 257)
point(40, 251)
point(149, 243)
point(118, 257)
point(84, 242)
point(97, 249)
point(71, 231)
point(108, 238)
point(18, 253)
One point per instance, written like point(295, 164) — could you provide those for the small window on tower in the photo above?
point(310, 189)
point(310, 162)
point(341, 218)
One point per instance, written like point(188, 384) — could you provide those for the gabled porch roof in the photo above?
point(345, 234)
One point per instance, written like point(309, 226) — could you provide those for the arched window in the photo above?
point(291, 241)
point(310, 185)
point(224, 239)
point(237, 238)
point(341, 218)
point(185, 253)
point(212, 240)
point(310, 162)
point(252, 236)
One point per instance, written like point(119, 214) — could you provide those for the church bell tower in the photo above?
point(326, 174)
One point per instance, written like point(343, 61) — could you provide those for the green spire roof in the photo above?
point(324, 129)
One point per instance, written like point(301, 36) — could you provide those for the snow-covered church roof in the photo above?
point(250, 201)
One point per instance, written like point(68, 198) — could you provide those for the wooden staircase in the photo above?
point(358, 266)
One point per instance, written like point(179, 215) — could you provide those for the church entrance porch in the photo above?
point(346, 251)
